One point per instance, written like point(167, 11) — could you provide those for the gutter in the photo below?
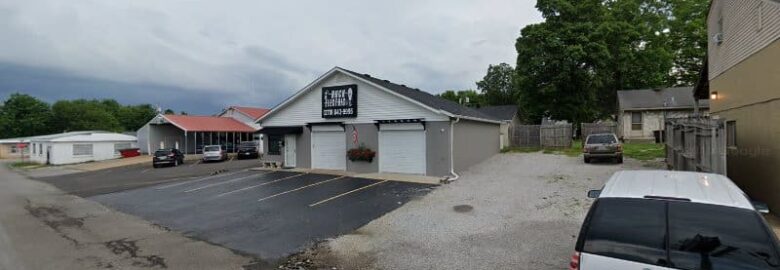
point(455, 175)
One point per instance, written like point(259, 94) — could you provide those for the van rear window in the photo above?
point(602, 139)
point(628, 229)
point(701, 236)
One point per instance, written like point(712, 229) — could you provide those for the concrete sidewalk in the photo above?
point(42, 228)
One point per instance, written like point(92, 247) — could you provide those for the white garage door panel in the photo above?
point(328, 150)
point(402, 151)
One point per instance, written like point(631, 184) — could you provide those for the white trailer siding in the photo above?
point(79, 147)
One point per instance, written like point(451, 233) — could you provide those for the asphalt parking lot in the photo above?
point(92, 183)
point(269, 214)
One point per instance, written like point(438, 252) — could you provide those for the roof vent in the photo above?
point(403, 85)
point(386, 81)
point(364, 74)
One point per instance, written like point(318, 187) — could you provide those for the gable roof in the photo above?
point(658, 99)
point(426, 98)
point(421, 98)
point(253, 112)
point(207, 123)
point(502, 112)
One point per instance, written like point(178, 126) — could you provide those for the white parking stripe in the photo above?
point(196, 163)
point(144, 171)
point(259, 185)
point(346, 193)
point(225, 182)
point(294, 190)
point(195, 181)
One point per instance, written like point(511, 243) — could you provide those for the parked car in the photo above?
point(602, 145)
point(248, 150)
point(674, 220)
point(169, 156)
point(214, 153)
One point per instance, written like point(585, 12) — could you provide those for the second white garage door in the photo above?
point(328, 148)
point(402, 148)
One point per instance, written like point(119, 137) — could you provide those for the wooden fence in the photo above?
point(541, 135)
point(593, 128)
point(696, 144)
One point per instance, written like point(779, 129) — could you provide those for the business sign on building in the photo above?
point(339, 101)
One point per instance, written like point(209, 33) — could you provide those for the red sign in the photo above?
point(21, 145)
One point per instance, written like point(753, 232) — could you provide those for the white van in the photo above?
point(649, 220)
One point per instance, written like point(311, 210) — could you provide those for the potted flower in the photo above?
point(361, 153)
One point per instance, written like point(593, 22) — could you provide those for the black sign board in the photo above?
point(339, 101)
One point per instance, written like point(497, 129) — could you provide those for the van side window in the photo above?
point(628, 229)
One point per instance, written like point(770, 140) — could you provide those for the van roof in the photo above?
point(698, 187)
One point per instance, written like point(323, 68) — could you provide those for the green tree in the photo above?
point(81, 114)
point(134, 117)
point(571, 65)
point(468, 98)
point(23, 115)
point(498, 85)
point(169, 111)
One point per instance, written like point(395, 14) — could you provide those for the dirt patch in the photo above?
point(122, 246)
point(463, 208)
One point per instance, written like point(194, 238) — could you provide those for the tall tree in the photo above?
point(571, 65)
point(498, 85)
point(81, 114)
point(134, 117)
point(23, 115)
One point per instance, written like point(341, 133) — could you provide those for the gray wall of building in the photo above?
point(437, 144)
point(303, 149)
point(143, 139)
point(167, 133)
point(270, 158)
point(474, 143)
point(368, 135)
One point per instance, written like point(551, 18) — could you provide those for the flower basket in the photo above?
point(361, 153)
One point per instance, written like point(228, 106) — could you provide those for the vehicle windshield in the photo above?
point(601, 139)
point(212, 148)
point(701, 236)
point(160, 153)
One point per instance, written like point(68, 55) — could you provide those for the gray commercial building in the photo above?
point(350, 121)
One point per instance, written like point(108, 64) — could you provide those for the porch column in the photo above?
point(185, 142)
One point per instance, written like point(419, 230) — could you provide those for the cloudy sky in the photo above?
point(200, 56)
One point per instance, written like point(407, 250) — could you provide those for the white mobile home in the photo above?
point(78, 147)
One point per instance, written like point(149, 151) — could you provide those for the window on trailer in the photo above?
point(82, 149)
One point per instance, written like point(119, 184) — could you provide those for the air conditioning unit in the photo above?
point(718, 38)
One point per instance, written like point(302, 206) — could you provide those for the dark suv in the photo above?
point(171, 156)
point(248, 150)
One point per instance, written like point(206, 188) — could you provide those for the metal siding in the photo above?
point(373, 104)
point(474, 143)
point(437, 146)
point(741, 35)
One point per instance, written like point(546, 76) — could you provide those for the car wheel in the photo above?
point(587, 160)
point(620, 160)
point(155, 166)
point(176, 163)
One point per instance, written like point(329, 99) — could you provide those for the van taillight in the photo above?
point(575, 261)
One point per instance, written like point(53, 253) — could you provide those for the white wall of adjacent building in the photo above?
point(59, 153)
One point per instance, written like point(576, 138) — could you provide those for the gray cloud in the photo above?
point(247, 52)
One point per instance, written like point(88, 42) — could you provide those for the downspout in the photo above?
point(455, 175)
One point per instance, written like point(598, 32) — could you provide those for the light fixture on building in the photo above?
point(714, 95)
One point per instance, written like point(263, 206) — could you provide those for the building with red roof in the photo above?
point(190, 133)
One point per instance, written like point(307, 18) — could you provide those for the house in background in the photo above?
point(643, 112)
point(742, 82)
point(190, 133)
point(9, 148)
point(507, 114)
point(78, 147)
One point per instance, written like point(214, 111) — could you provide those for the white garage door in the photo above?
point(328, 148)
point(402, 148)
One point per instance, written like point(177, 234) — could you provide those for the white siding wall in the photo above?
point(62, 152)
point(651, 121)
point(373, 104)
point(742, 34)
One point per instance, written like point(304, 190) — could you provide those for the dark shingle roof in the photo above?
point(503, 112)
point(675, 97)
point(425, 98)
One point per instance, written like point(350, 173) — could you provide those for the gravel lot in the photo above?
point(514, 211)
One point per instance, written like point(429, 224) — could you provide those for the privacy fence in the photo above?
point(696, 144)
point(559, 135)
